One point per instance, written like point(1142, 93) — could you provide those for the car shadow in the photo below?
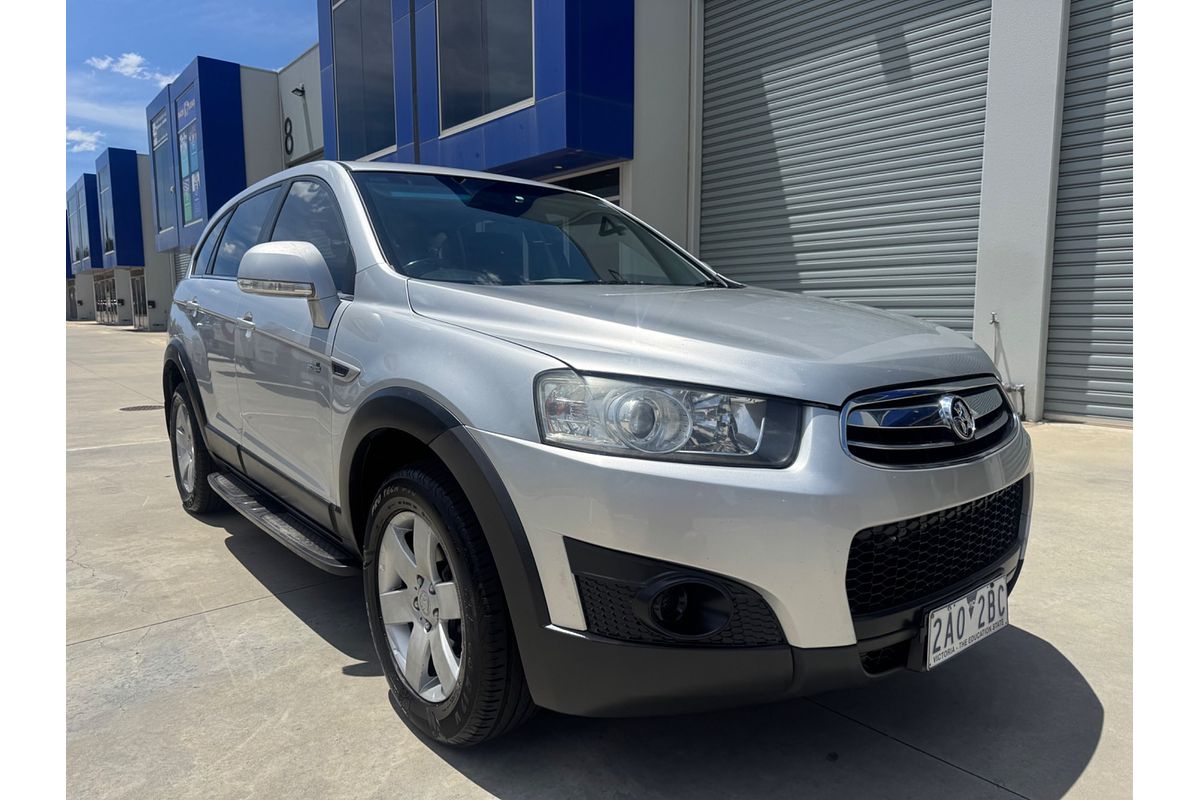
point(1011, 714)
point(332, 606)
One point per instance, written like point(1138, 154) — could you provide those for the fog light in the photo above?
point(684, 607)
point(669, 606)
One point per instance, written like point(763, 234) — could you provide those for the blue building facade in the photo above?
point(120, 200)
point(201, 110)
point(524, 87)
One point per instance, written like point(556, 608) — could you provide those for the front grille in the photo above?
point(608, 606)
point(885, 659)
point(909, 428)
point(904, 562)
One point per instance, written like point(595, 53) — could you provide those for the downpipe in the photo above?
point(1007, 385)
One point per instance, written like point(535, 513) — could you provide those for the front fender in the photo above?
point(423, 418)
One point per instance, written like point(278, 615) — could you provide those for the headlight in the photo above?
point(648, 419)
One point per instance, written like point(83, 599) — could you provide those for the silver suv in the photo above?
point(578, 468)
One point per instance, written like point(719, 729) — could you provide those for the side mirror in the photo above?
point(291, 269)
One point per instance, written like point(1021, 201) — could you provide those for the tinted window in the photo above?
point(204, 254)
point(310, 214)
point(473, 230)
point(485, 56)
point(365, 98)
point(242, 232)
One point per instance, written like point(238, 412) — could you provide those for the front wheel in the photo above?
point(437, 611)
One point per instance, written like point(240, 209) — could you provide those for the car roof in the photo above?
point(429, 169)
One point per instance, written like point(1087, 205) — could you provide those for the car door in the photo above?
point(216, 304)
point(203, 348)
point(285, 376)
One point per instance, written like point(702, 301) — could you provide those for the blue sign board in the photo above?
point(187, 122)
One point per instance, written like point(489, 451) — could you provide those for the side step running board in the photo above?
point(288, 529)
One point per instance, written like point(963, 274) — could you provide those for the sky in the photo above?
point(120, 53)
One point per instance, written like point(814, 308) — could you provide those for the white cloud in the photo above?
point(125, 115)
point(81, 141)
point(131, 65)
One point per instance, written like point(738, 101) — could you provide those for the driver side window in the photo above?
point(310, 214)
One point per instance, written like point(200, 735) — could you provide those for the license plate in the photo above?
point(966, 621)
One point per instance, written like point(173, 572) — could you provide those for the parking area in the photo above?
point(204, 660)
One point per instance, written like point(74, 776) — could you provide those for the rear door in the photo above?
point(216, 307)
point(285, 377)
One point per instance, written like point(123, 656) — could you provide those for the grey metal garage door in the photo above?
point(842, 148)
point(1089, 352)
point(182, 262)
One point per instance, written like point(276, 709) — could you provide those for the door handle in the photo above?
point(247, 320)
point(191, 305)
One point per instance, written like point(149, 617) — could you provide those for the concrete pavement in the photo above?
point(204, 660)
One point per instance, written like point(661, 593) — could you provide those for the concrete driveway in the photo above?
point(206, 661)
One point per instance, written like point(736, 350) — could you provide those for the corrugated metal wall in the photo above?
point(182, 263)
point(1089, 352)
point(842, 149)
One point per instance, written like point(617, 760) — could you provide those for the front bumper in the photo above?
point(785, 534)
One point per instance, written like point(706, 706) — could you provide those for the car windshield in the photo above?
point(485, 231)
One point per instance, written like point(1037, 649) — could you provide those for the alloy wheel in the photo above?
point(419, 600)
point(185, 448)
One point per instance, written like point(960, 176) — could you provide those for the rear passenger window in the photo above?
point(242, 232)
point(202, 256)
point(310, 214)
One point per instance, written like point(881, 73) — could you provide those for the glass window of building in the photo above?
point(363, 74)
point(106, 211)
point(485, 57)
point(310, 214)
point(164, 177)
point(85, 241)
point(73, 225)
point(242, 232)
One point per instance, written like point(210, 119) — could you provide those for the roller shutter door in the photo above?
point(183, 263)
point(842, 149)
point(1089, 351)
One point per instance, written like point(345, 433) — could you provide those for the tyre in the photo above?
point(437, 612)
point(190, 457)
